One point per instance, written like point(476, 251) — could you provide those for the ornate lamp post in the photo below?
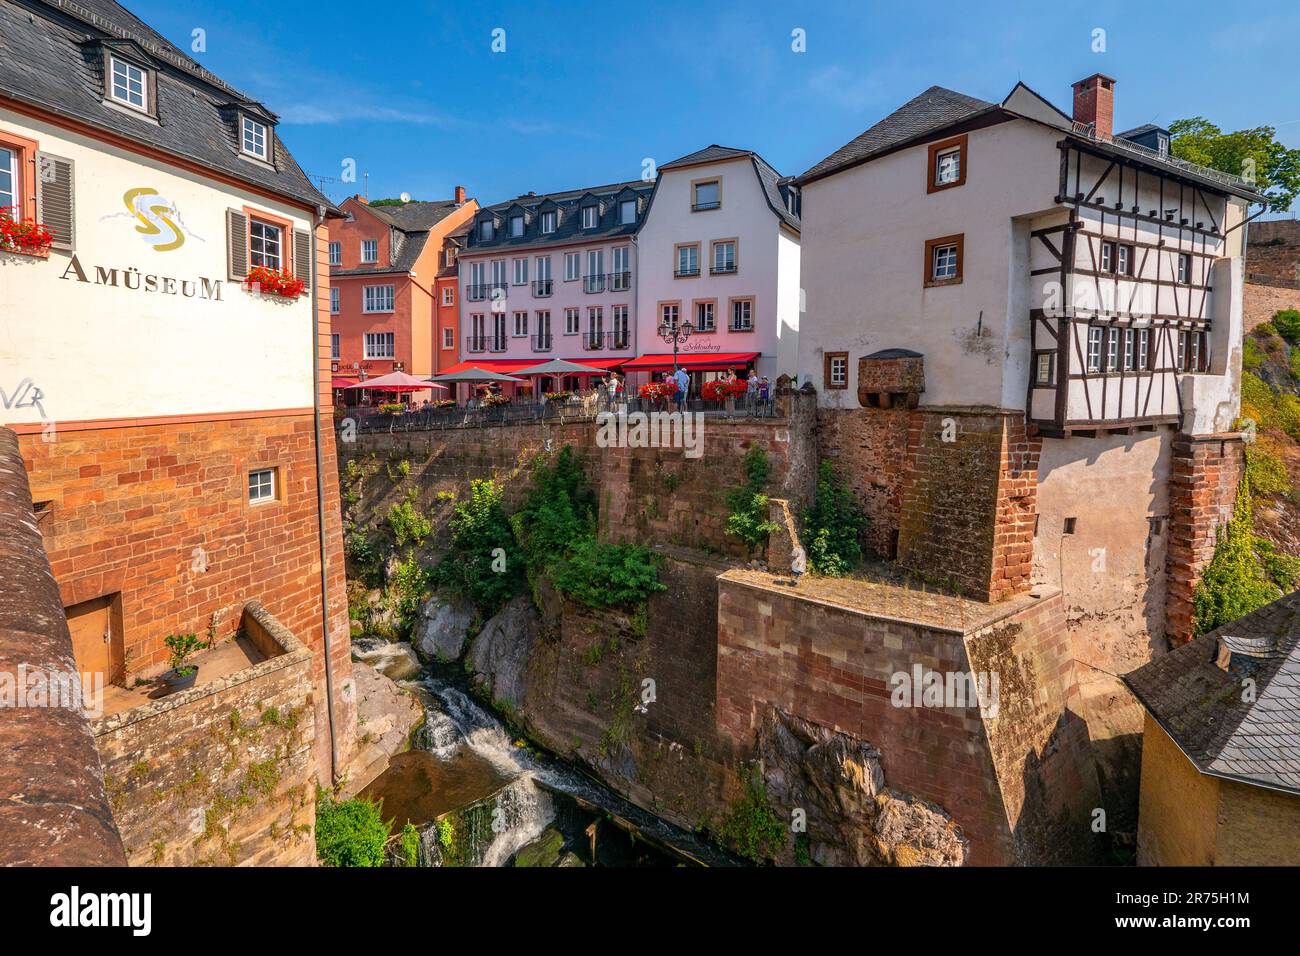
point(675, 333)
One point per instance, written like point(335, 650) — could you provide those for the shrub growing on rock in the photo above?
point(600, 574)
point(482, 562)
point(350, 832)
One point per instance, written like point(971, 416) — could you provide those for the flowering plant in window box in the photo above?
point(26, 236)
point(274, 282)
point(493, 399)
point(558, 396)
point(658, 391)
point(392, 408)
point(444, 403)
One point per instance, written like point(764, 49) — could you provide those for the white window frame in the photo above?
point(691, 253)
point(449, 338)
point(15, 191)
point(736, 326)
point(721, 266)
point(267, 247)
point(336, 253)
point(1040, 379)
point(711, 324)
point(543, 268)
point(572, 266)
point(334, 301)
point(254, 132)
point(1130, 350)
point(1094, 348)
point(127, 83)
point(943, 175)
point(1108, 256)
point(373, 257)
point(550, 220)
point(572, 320)
point(943, 262)
point(839, 371)
point(520, 270)
point(590, 216)
point(377, 298)
point(521, 324)
point(261, 486)
point(448, 295)
point(1112, 349)
point(1143, 348)
point(1184, 269)
point(380, 345)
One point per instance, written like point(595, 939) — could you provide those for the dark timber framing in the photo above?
point(1161, 215)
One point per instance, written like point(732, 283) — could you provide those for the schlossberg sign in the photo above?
point(132, 278)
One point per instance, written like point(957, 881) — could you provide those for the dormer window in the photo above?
point(589, 217)
point(485, 230)
point(128, 84)
point(627, 211)
point(1162, 144)
point(548, 222)
point(254, 139)
point(516, 226)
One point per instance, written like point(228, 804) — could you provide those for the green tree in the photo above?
point(833, 526)
point(1276, 169)
point(749, 515)
point(482, 560)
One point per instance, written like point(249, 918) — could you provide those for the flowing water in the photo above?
point(464, 759)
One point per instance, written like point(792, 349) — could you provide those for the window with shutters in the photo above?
point(379, 345)
point(265, 244)
point(55, 208)
point(378, 298)
point(128, 84)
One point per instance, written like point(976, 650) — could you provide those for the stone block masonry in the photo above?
point(158, 514)
point(1020, 783)
point(1205, 473)
point(222, 774)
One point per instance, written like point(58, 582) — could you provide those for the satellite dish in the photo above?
point(406, 197)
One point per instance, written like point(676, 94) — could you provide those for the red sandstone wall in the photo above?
point(868, 449)
point(1205, 473)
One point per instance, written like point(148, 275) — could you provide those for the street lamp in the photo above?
point(675, 333)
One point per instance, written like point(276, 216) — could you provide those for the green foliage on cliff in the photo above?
point(409, 526)
point(600, 574)
point(1253, 153)
point(1287, 324)
point(410, 845)
point(350, 832)
point(482, 562)
point(833, 526)
point(1235, 582)
point(749, 515)
point(558, 513)
point(752, 829)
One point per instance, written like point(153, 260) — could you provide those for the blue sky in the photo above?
point(584, 92)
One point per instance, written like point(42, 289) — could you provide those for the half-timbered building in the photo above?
point(1025, 333)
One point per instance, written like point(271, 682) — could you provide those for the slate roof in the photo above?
point(932, 110)
point(776, 187)
point(1137, 131)
point(1200, 704)
point(569, 229)
point(44, 61)
point(409, 226)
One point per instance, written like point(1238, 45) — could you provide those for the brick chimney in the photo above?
point(361, 199)
point(1094, 104)
point(460, 195)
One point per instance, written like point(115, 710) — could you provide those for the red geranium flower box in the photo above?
point(25, 236)
point(271, 281)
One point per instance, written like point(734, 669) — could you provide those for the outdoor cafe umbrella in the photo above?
point(397, 382)
point(558, 368)
point(474, 375)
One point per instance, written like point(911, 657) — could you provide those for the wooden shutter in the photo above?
point(302, 255)
point(55, 206)
point(237, 243)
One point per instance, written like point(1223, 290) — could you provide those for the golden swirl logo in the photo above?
point(157, 220)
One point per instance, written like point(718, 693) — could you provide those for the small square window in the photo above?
point(943, 260)
point(129, 84)
point(707, 195)
point(261, 486)
point(449, 338)
point(947, 164)
point(1069, 525)
point(254, 139)
point(947, 167)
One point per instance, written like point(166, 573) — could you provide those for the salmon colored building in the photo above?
point(384, 266)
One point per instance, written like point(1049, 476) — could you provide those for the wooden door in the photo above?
point(91, 624)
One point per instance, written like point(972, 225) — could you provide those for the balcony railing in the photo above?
point(497, 344)
point(722, 268)
point(542, 343)
point(688, 273)
point(543, 287)
point(476, 293)
point(620, 281)
point(476, 343)
point(594, 283)
point(699, 206)
point(593, 341)
point(620, 339)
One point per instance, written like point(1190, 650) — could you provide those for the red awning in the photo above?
point(693, 361)
point(511, 366)
point(342, 382)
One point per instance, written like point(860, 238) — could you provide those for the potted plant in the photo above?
point(182, 673)
point(25, 236)
point(274, 282)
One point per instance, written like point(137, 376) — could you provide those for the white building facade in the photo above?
point(719, 249)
